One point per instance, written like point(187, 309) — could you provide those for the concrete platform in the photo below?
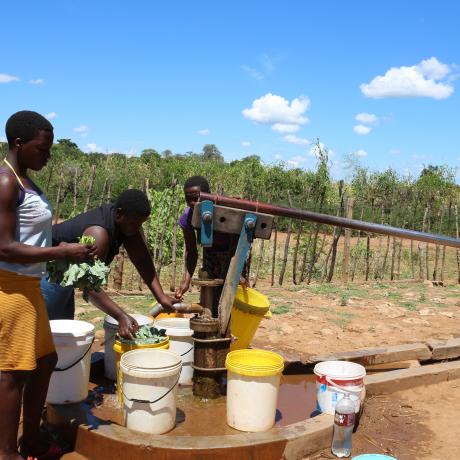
point(97, 439)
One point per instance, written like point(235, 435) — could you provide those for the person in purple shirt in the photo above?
point(216, 259)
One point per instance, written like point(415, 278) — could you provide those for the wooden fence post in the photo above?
point(58, 198)
point(118, 270)
point(172, 285)
point(90, 187)
point(274, 254)
point(346, 244)
point(286, 245)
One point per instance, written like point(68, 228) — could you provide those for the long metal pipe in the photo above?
point(300, 214)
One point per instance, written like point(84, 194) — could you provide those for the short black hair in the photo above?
point(200, 181)
point(133, 202)
point(25, 125)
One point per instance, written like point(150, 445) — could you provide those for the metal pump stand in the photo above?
point(212, 336)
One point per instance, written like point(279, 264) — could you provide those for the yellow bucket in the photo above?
point(119, 348)
point(248, 309)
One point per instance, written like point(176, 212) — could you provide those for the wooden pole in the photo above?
point(172, 285)
point(275, 241)
point(118, 270)
point(58, 198)
point(286, 245)
point(90, 187)
point(346, 244)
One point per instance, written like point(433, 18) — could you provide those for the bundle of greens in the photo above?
point(87, 276)
point(146, 335)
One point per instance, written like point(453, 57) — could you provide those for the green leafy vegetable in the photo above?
point(146, 335)
point(87, 276)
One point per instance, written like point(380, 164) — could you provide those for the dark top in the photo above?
point(103, 216)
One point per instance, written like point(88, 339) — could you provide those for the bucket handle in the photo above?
point(146, 401)
point(340, 388)
point(58, 369)
point(188, 351)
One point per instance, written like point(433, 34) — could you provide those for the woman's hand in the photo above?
point(181, 290)
point(127, 326)
point(76, 252)
point(167, 302)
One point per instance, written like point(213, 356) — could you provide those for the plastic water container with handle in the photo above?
point(73, 340)
point(110, 330)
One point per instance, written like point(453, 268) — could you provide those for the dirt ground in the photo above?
point(417, 424)
point(331, 318)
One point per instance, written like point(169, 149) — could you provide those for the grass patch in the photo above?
point(324, 289)
point(393, 294)
point(411, 306)
point(381, 286)
point(280, 310)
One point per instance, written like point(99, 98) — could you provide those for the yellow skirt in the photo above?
point(25, 333)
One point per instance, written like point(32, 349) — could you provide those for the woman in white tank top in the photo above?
point(27, 354)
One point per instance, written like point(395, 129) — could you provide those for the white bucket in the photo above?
point(253, 381)
point(110, 330)
point(334, 379)
point(150, 378)
point(180, 342)
point(69, 381)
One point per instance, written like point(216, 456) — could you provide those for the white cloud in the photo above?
point(281, 128)
point(51, 115)
point(394, 151)
point(362, 130)
point(253, 73)
point(246, 144)
point(293, 139)
point(82, 130)
point(2, 139)
point(5, 78)
point(359, 153)
point(292, 163)
point(92, 147)
point(421, 80)
point(415, 156)
point(37, 81)
point(204, 132)
point(278, 156)
point(272, 109)
point(367, 118)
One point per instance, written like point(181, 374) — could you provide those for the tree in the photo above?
point(67, 143)
point(149, 155)
point(212, 153)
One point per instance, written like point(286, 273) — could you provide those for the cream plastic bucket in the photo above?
point(180, 342)
point(110, 330)
point(253, 381)
point(150, 378)
point(69, 381)
point(334, 379)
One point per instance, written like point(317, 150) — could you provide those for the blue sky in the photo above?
point(377, 80)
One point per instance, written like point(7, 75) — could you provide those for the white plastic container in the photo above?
point(253, 381)
point(180, 342)
point(110, 330)
point(150, 382)
point(334, 379)
point(69, 381)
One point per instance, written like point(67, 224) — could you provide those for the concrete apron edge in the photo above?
point(310, 427)
point(403, 379)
